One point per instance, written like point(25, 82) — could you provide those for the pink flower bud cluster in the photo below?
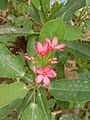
point(43, 50)
point(53, 61)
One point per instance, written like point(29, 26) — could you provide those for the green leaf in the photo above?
point(20, 21)
point(19, 1)
point(51, 29)
point(10, 66)
point(21, 8)
point(25, 102)
point(14, 31)
point(4, 111)
point(30, 51)
point(45, 5)
point(62, 104)
point(56, 7)
point(69, 8)
point(36, 4)
point(88, 2)
point(79, 49)
point(71, 90)
point(3, 4)
point(84, 74)
point(60, 70)
point(34, 14)
point(87, 23)
point(30, 46)
point(9, 93)
point(7, 39)
point(51, 102)
point(77, 105)
point(8, 118)
point(32, 112)
point(43, 103)
point(72, 33)
point(69, 116)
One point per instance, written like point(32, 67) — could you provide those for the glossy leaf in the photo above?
point(84, 74)
point(69, 8)
point(71, 90)
point(69, 117)
point(45, 5)
point(78, 49)
point(14, 31)
point(30, 51)
point(4, 111)
point(87, 23)
point(72, 33)
point(56, 7)
point(51, 29)
point(34, 14)
point(20, 21)
point(32, 112)
point(7, 38)
point(10, 66)
point(9, 93)
point(36, 4)
point(25, 102)
point(77, 105)
point(43, 103)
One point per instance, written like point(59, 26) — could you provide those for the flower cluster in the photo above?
point(44, 75)
point(45, 72)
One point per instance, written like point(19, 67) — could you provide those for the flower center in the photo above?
point(44, 74)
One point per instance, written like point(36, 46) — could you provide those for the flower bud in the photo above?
point(54, 62)
point(55, 58)
point(27, 57)
point(34, 62)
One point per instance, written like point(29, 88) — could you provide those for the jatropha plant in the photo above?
point(45, 71)
point(44, 59)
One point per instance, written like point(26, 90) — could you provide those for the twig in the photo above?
point(56, 112)
point(5, 19)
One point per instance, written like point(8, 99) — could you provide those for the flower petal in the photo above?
point(46, 46)
point(58, 47)
point(54, 41)
point(48, 41)
point(38, 79)
point(47, 69)
point(39, 70)
point(52, 74)
point(46, 81)
point(36, 50)
point(39, 46)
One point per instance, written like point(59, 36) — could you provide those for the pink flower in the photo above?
point(42, 50)
point(44, 75)
point(53, 45)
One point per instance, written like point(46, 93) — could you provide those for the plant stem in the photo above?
point(47, 58)
point(34, 97)
point(42, 63)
